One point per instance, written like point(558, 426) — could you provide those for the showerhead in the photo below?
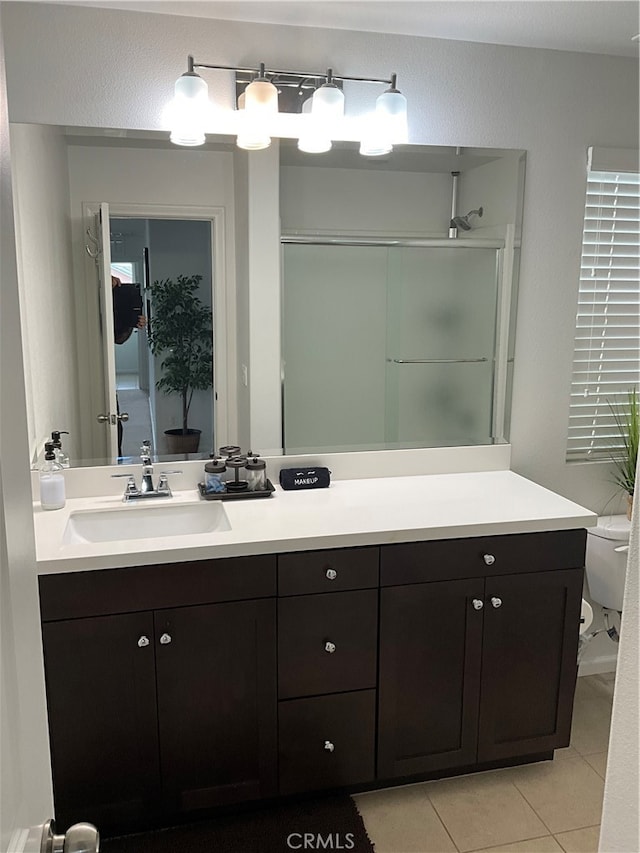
point(462, 222)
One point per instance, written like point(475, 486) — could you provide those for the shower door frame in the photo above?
point(504, 280)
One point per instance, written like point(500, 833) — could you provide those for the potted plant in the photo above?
point(181, 332)
point(627, 417)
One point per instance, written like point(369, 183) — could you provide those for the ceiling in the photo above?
point(591, 26)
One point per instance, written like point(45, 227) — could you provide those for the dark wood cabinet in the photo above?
point(529, 650)
point(478, 670)
point(161, 712)
point(327, 741)
point(101, 700)
point(430, 653)
point(175, 689)
point(216, 675)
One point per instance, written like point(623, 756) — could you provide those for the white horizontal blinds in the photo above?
point(607, 345)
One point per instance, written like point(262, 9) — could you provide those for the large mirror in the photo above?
point(342, 310)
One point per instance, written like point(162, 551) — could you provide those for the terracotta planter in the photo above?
point(179, 442)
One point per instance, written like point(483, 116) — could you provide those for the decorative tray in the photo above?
point(235, 496)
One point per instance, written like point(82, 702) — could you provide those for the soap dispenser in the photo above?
point(62, 457)
point(52, 492)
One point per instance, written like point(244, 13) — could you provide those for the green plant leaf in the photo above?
point(626, 415)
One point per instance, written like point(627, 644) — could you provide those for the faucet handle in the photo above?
point(163, 481)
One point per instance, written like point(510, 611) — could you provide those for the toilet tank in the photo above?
point(606, 567)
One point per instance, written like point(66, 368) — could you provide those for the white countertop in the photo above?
point(347, 514)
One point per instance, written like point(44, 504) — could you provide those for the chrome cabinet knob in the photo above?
point(329, 647)
point(143, 641)
point(478, 603)
point(489, 559)
point(331, 574)
point(496, 602)
point(329, 746)
point(165, 639)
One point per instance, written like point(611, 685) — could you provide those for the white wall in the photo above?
point(25, 781)
point(620, 828)
point(41, 194)
point(553, 104)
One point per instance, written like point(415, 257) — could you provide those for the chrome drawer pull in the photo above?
point(331, 574)
point(489, 559)
point(165, 639)
point(478, 603)
point(496, 602)
point(329, 647)
point(143, 641)
point(329, 746)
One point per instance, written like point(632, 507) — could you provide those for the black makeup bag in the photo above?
point(305, 478)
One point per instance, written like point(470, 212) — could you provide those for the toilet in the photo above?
point(606, 560)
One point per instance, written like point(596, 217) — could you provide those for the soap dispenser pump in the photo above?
point(52, 491)
point(61, 456)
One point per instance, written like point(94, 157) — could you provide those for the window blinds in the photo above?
point(607, 345)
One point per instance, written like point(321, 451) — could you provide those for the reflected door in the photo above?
point(104, 402)
point(441, 331)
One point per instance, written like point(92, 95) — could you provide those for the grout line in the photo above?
point(437, 814)
point(555, 837)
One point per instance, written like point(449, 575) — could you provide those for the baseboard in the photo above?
point(598, 665)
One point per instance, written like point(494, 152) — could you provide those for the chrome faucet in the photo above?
point(147, 489)
point(146, 485)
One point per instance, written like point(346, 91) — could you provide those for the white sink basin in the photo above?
point(142, 521)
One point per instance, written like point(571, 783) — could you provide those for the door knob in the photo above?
point(165, 639)
point(496, 602)
point(478, 603)
point(124, 417)
point(103, 419)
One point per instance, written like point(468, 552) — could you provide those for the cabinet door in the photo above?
point(529, 669)
point(101, 698)
point(216, 672)
point(430, 648)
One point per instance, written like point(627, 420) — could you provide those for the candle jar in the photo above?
point(256, 474)
point(214, 476)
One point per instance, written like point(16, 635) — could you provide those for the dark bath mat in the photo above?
point(279, 829)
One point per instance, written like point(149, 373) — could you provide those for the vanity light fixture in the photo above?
point(265, 94)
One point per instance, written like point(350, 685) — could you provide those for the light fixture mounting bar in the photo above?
point(302, 75)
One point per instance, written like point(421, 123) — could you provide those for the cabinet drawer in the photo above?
point(327, 643)
point(126, 590)
point(326, 742)
point(328, 571)
point(451, 559)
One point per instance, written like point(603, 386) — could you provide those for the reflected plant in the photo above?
point(181, 330)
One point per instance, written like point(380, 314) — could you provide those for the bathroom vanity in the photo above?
point(326, 640)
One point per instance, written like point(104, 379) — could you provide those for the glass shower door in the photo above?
point(441, 330)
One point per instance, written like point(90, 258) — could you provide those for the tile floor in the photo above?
point(550, 806)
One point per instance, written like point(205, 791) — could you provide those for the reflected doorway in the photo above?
point(144, 250)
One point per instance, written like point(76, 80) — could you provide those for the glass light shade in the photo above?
point(314, 138)
point(376, 140)
point(328, 102)
point(261, 97)
point(189, 110)
point(252, 135)
point(391, 108)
